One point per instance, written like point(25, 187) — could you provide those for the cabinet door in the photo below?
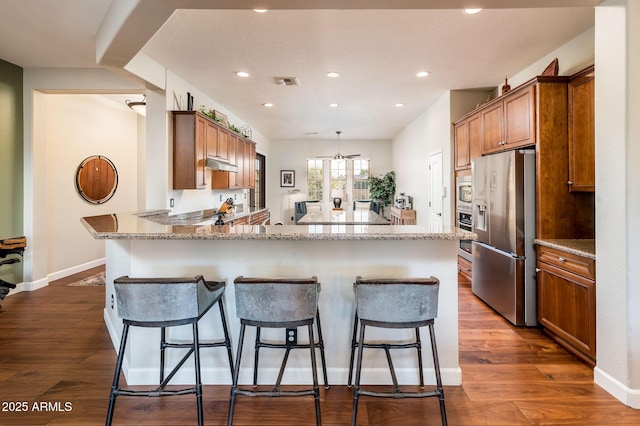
point(582, 164)
point(519, 121)
point(200, 152)
point(237, 180)
point(493, 124)
point(212, 139)
point(223, 145)
point(474, 125)
point(189, 150)
point(461, 137)
point(566, 306)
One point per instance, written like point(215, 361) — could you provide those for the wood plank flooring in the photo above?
point(57, 358)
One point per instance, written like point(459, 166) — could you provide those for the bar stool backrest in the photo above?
point(276, 299)
point(397, 300)
point(165, 299)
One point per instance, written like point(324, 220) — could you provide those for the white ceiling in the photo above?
point(376, 52)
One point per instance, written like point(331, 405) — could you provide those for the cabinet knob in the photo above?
point(569, 182)
point(561, 259)
point(538, 269)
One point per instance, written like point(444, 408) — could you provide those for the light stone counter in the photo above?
point(149, 245)
point(584, 248)
point(158, 225)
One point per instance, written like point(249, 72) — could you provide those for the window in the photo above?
point(351, 176)
point(339, 175)
point(360, 179)
point(315, 177)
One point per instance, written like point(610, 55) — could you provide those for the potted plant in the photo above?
point(382, 189)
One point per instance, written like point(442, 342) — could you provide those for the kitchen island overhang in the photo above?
point(140, 246)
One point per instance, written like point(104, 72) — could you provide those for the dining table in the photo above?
point(342, 217)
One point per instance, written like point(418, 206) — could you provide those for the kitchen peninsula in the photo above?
point(154, 244)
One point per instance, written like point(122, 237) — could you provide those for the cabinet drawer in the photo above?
point(568, 261)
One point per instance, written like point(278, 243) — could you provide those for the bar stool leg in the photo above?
point(163, 346)
point(236, 373)
point(353, 348)
point(356, 390)
point(227, 339)
point(116, 376)
point(314, 370)
point(322, 357)
point(255, 360)
point(436, 367)
point(196, 357)
point(419, 350)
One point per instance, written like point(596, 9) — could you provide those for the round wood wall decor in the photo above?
point(96, 179)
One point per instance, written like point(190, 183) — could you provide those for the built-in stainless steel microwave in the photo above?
point(464, 193)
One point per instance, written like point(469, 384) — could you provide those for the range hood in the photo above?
point(217, 164)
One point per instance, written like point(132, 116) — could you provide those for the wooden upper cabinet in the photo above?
point(582, 164)
point(223, 145)
point(493, 122)
point(475, 129)
point(510, 122)
point(461, 137)
point(212, 139)
point(468, 141)
point(189, 150)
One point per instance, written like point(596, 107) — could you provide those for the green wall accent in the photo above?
point(11, 161)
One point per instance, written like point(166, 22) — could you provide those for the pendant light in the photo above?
point(140, 107)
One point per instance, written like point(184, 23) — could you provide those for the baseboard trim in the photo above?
point(626, 395)
point(76, 269)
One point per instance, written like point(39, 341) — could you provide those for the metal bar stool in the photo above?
point(397, 303)
point(162, 303)
point(276, 303)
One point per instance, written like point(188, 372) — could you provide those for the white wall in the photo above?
point(617, 201)
point(411, 148)
point(292, 155)
point(78, 126)
point(35, 83)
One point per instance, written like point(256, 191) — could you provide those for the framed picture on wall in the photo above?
point(287, 178)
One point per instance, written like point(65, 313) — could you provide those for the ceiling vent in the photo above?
point(287, 81)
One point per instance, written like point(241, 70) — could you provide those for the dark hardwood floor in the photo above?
point(57, 365)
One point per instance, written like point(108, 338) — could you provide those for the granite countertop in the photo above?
point(584, 248)
point(158, 225)
point(342, 217)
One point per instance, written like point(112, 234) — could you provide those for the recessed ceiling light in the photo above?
point(333, 74)
point(267, 104)
point(242, 74)
point(334, 105)
point(472, 11)
point(260, 10)
point(422, 74)
point(399, 105)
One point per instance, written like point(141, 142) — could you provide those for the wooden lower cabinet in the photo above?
point(403, 216)
point(259, 217)
point(567, 301)
point(465, 267)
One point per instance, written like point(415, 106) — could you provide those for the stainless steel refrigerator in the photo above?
point(504, 220)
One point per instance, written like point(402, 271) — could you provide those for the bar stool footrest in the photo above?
point(401, 395)
point(272, 393)
point(155, 392)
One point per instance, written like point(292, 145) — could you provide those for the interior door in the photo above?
point(435, 191)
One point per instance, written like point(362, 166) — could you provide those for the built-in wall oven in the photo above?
point(464, 196)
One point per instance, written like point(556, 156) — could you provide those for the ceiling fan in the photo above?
point(339, 156)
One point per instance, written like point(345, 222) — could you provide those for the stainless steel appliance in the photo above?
point(464, 221)
point(403, 201)
point(504, 220)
